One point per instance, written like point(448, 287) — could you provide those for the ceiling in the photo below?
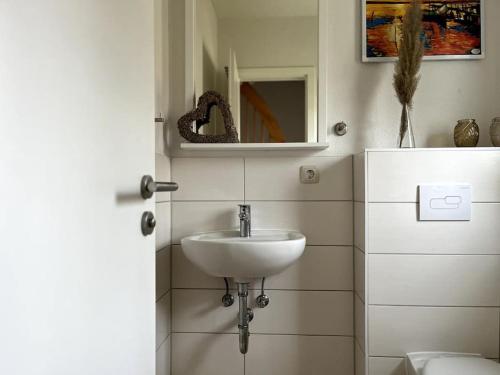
point(265, 8)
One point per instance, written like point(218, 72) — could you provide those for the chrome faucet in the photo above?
point(245, 221)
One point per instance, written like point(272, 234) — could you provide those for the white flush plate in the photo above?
point(449, 202)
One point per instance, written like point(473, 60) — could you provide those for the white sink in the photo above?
point(226, 254)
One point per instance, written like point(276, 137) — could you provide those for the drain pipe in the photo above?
point(245, 317)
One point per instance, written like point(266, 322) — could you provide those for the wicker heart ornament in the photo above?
point(201, 115)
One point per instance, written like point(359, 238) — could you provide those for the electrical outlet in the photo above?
point(309, 174)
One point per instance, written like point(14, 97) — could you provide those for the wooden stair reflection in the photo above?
point(259, 111)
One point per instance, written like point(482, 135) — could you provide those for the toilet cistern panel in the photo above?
point(445, 202)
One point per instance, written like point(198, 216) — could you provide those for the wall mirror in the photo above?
point(268, 59)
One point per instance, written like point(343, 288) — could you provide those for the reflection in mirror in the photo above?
point(263, 56)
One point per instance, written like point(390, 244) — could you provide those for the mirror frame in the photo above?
point(322, 77)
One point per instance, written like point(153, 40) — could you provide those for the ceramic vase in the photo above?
point(466, 133)
point(495, 132)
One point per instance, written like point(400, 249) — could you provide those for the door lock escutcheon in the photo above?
point(148, 223)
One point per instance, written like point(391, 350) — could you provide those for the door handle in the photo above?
point(149, 186)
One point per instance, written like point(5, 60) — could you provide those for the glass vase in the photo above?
point(406, 138)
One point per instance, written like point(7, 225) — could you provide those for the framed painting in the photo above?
point(453, 29)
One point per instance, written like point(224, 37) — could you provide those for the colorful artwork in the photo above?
point(453, 29)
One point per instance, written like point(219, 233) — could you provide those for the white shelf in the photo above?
point(253, 146)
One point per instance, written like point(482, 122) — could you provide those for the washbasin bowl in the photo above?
point(226, 254)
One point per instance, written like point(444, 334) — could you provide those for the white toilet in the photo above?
point(442, 363)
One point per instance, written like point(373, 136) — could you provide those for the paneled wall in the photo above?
point(308, 325)
point(429, 285)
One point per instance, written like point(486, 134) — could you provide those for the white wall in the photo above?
point(361, 94)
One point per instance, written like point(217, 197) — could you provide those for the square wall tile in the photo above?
point(397, 330)
point(278, 178)
point(299, 355)
point(195, 217)
point(163, 225)
point(323, 223)
point(163, 358)
point(162, 174)
point(208, 179)
point(162, 319)
point(206, 354)
point(162, 272)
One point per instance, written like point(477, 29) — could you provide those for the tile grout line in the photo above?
point(353, 265)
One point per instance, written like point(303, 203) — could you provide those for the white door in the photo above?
point(76, 135)
point(234, 89)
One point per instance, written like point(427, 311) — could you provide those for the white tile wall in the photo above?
point(186, 275)
point(305, 313)
point(208, 178)
point(387, 366)
point(195, 310)
point(163, 225)
point(278, 179)
point(359, 360)
point(359, 273)
point(438, 280)
point(398, 173)
point(162, 272)
point(397, 330)
point(393, 228)
point(289, 312)
point(323, 223)
point(319, 268)
point(192, 217)
point(359, 225)
point(431, 285)
point(206, 354)
point(311, 308)
point(163, 306)
point(299, 355)
point(163, 358)
point(359, 322)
